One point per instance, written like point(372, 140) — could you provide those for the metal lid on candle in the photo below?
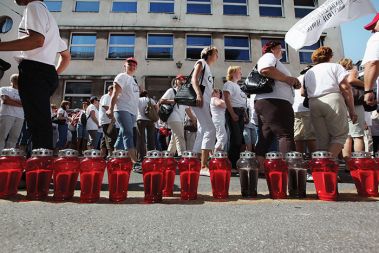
point(68, 153)
point(220, 154)
point(247, 154)
point(167, 154)
point(189, 154)
point(92, 153)
point(294, 155)
point(12, 152)
point(42, 152)
point(120, 154)
point(274, 155)
point(322, 154)
point(154, 154)
point(360, 154)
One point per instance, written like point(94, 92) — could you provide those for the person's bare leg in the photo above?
point(359, 144)
point(133, 155)
point(346, 151)
point(249, 147)
point(261, 161)
point(311, 144)
point(300, 146)
point(335, 149)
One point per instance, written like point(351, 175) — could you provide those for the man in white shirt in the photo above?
point(11, 114)
point(93, 125)
point(39, 42)
point(109, 129)
point(371, 60)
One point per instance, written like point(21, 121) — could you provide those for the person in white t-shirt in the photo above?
point(124, 104)
point(62, 116)
point(39, 42)
point(93, 123)
point(250, 131)
point(371, 60)
point(146, 133)
point(206, 131)
point(236, 103)
point(107, 124)
point(274, 110)
point(176, 118)
point(11, 114)
point(324, 84)
point(218, 108)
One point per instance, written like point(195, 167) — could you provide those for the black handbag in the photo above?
point(256, 83)
point(186, 94)
point(165, 110)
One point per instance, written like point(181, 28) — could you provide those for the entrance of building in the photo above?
point(157, 85)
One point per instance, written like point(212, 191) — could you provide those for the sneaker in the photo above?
point(205, 172)
point(309, 177)
point(137, 168)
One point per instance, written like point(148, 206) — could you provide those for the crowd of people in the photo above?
point(325, 107)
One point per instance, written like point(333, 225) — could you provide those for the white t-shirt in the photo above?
point(178, 113)
point(10, 110)
point(62, 113)
point(142, 103)
point(36, 17)
point(128, 98)
point(91, 125)
point(207, 81)
point(218, 113)
point(237, 96)
point(281, 90)
point(253, 117)
point(324, 78)
point(372, 49)
point(299, 99)
point(105, 100)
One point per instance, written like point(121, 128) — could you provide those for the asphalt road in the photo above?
point(204, 225)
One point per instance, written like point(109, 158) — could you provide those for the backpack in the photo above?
point(83, 119)
point(165, 110)
point(150, 112)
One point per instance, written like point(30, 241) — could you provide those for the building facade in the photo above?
point(166, 37)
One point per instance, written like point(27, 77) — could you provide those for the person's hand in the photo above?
point(199, 101)
point(369, 98)
point(297, 84)
point(109, 113)
point(234, 117)
point(353, 116)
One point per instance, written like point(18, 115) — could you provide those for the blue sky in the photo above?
point(354, 37)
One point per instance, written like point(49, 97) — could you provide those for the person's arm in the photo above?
point(347, 93)
point(92, 114)
point(32, 41)
point(191, 116)
point(353, 80)
point(165, 100)
point(9, 101)
point(219, 102)
point(63, 62)
point(370, 76)
point(274, 73)
point(196, 85)
point(229, 106)
point(114, 96)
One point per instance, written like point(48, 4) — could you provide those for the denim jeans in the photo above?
point(62, 136)
point(126, 120)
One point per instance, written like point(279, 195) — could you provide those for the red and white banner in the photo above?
point(332, 13)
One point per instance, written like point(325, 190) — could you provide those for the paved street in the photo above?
point(204, 225)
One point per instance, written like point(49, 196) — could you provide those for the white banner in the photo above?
point(332, 13)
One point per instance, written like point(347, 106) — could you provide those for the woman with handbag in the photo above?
point(236, 102)
point(124, 105)
point(206, 134)
point(274, 109)
point(324, 84)
point(176, 118)
point(356, 130)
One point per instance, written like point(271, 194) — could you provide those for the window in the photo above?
point(305, 53)
point(125, 6)
point(271, 8)
point(237, 48)
point(160, 46)
point(162, 6)
point(196, 43)
point(199, 6)
point(121, 46)
point(76, 92)
point(304, 7)
point(87, 6)
point(54, 5)
point(83, 46)
point(235, 7)
point(284, 47)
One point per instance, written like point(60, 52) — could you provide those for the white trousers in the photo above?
point(177, 142)
point(206, 131)
point(9, 127)
point(221, 135)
